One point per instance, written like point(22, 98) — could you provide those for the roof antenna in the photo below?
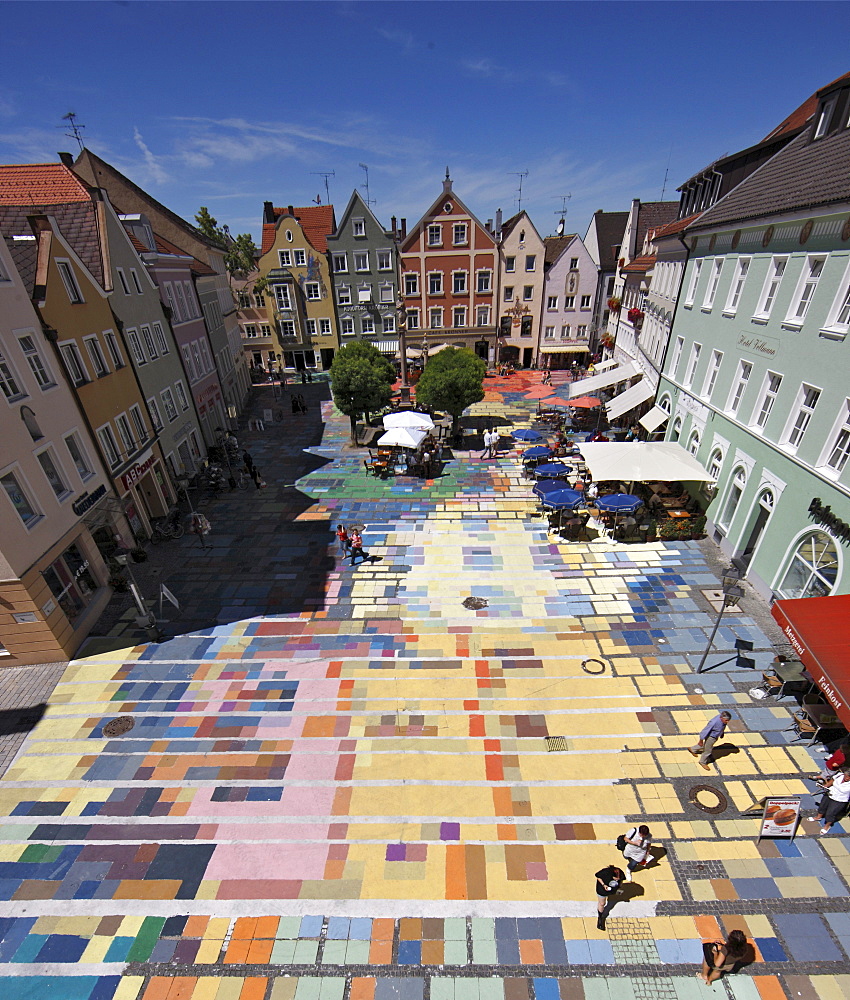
point(326, 174)
point(563, 213)
point(667, 171)
point(522, 174)
point(75, 128)
point(369, 201)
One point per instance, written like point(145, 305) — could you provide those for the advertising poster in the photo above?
point(780, 817)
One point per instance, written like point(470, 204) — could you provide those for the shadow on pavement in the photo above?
point(21, 720)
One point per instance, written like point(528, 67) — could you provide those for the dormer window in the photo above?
point(825, 116)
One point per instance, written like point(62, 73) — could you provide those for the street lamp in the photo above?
point(732, 594)
point(401, 325)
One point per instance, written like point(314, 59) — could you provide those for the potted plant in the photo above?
point(138, 554)
point(698, 526)
point(652, 530)
point(615, 304)
point(635, 316)
point(668, 531)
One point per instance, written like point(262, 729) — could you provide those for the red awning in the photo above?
point(818, 628)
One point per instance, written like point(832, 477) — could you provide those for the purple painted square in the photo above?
point(396, 852)
point(449, 831)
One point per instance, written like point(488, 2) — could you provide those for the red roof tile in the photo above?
point(675, 227)
point(640, 265)
point(798, 118)
point(317, 221)
point(38, 184)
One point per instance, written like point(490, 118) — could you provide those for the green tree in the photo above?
point(451, 381)
point(210, 228)
point(361, 381)
point(240, 252)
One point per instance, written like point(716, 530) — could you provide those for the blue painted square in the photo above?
point(27, 950)
point(86, 889)
point(311, 927)
point(118, 949)
point(338, 928)
point(105, 988)
point(507, 951)
point(546, 989)
point(771, 949)
point(806, 937)
point(35, 987)
point(578, 952)
point(410, 953)
point(601, 952)
point(360, 929)
point(756, 888)
point(840, 924)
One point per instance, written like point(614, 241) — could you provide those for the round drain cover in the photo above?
point(117, 727)
point(708, 798)
point(475, 603)
point(593, 666)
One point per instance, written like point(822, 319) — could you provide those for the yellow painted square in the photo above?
point(129, 988)
point(800, 886)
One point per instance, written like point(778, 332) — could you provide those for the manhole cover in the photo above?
point(475, 603)
point(556, 743)
point(593, 666)
point(117, 727)
point(708, 798)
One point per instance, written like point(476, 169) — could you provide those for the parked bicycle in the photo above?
point(167, 527)
point(243, 480)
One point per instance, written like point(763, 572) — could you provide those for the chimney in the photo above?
point(67, 160)
point(489, 226)
point(403, 229)
point(498, 223)
point(268, 212)
point(393, 226)
point(447, 183)
point(290, 209)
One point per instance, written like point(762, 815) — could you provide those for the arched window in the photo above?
point(31, 424)
point(693, 443)
point(677, 429)
point(739, 481)
point(813, 567)
point(715, 464)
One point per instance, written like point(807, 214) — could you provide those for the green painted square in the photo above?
point(454, 953)
point(308, 988)
point(442, 989)
point(283, 952)
point(305, 952)
point(491, 989)
point(357, 953)
point(36, 853)
point(454, 929)
point(146, 939)
point(597, 989)
point(484, 952)
point(741, 988)
point(331, 988)
point(287, 928)
point(334, 953)
point(483, 928)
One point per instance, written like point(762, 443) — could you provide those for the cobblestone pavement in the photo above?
point(360, 797)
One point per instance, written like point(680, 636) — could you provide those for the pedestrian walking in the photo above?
point(356, 548)
point(724, 956)
point(343, 539)
point(302, 406)
point(295, 407)
point(712, 732)
point(259, 482)
point(833, 803)
point(608, 882)
point(248, 462)
point(488, 444)
point(636, 850)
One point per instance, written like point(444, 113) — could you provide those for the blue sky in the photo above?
point(231, 104)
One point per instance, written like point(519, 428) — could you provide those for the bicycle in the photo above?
point(242, 479)
point(167, 527)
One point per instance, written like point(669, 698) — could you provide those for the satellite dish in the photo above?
point(561, 228)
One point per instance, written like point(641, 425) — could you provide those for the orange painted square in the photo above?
point(259, 952)
point(266, 927)
point(502, 802)
point(195, 926)
point(254, 988)
point(410, 929)
point(432, 952)
point(362, 989)
point(476, 725)
point(244, 928)
point(318, 726)
point(237, 953)
point(182, 988)
point(455, 871)
point(383, 929)
point(708, 928)
point(723, 888)
point(381, 953)
point(158, 988)
point(334, 869)
point(531, 952)
point(155, 889)
point(493, 769)
point(769, 988)
point(505, 831)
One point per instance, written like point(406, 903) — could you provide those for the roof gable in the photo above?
point(76, 221)
point(354, 209)
point(40, 184)
point(317, 222)
point(437, 209)
point(556, 247)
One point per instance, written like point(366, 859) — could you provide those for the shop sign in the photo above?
point(88, 500)
point(208, 393)
point(762, 347)
point(48, 608)
point(693, 406)
point(138, 470)
point(780, 817)
point(822, 514)
point(25, 617)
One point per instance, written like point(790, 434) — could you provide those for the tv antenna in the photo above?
point(326, 174)
point(522, 174)
point(562, 215)
point(76, 129)
point(667, 171)
point(369, 201)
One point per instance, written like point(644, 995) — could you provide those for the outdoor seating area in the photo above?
point(411, 445)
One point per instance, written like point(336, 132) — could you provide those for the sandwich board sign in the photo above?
point(780, 817)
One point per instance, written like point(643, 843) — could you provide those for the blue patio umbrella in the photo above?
point(527, 434)
point(538, 451)
point(563, 498)
point(549, 469)
point(619, 503)
point(544, 486)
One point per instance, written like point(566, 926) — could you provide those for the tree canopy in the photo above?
point(239, 251)
point(451, 381)
point(361, 380)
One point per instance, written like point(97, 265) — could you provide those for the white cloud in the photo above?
point(29, 145)
point(404, 39)
point(151, 162)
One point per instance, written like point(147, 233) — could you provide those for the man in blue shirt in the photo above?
point(708, 737)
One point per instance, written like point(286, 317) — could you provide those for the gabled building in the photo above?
point(295, 263)
point(755, 377)
point(258, 341)
point(521, 261)
point(60, 516)
point(364, 267)
point(568, 302)
point(604, 240)
point(450, 270)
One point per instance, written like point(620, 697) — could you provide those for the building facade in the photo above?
point(449, 275)
point(522, 277)
point(755, 377)
point(364, 266)
point(604, 240)
point(569, 300)
point(295, 264)
point(261, 348)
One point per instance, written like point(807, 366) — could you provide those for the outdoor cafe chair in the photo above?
point(803, 726)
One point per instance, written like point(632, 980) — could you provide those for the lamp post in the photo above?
point(401, 324)
point(732, 594)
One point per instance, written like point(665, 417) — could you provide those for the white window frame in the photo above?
point(693, 442)
point(569, 302)
point(807, 285)
point(284, 258)
point(739, 386)
point(147, 337)
point(713, 283)
point(434, 234)
point(139, 421)
point(386, 293)
point(527, 293)
point(311, 327)
point(690, 296)
point(389, 323)
point(343, 295)
point(340, 262)
point(358, 227)
point(299, 255)
point(136, 283)
point(412, 319)
point(678, 347)
point(361, 261)
point(125, 432)
point(172, 301)
point(109, 445)
point(167, 398)
point(482, 315)
point(800, 416)
point(69, 280)
point(549, 333)
point(82, 461)
point(411, 278)
point(122, 278)
point(711, 374)
point(552, 303)
point(510, 264)
point(732, 500)
point(59, 471)
point(312, 291)
point(96, 356)
point(693, 361)
point(136, 346)
point(584, 302)
point(14, 472)
point(154, 414)
point(581, 332)
point(825, 117)
point(346, 326)
point(435, 317)
point(367, 324)
point(484, 281)
point(287, 328)
point(182, 399)
point(188, 363)
point(566, 330)
point(282, 297)
point(325, 329)
point(191, 301)
point(530, 262)
point(9, 380)
point(834, 458)
point(766, 400)
point(838, 317)
point(38, 366)
point(384, 260)
point(458, 317)
point(70, 349)
point(435, 283)
point(113, 349)
point(460, 282)
point(772, 282)
point(460, 234)
point(508, 293)
point(205, 354)
point(159, 338)
point(736, 288)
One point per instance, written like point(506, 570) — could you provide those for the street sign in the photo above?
point(166, 593)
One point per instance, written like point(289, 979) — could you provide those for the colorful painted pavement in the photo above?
point(389, 796)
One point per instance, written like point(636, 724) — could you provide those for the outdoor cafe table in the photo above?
point(552, 469)
point(822, 716)
point(678, 513)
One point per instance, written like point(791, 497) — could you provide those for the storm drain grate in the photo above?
point(554, 743)
point(708, 798)
point(475, 603)
point(117, 727)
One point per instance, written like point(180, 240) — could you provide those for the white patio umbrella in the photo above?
point(402, 437)
point(639, 461)
point(436, 350)
point(407, 418)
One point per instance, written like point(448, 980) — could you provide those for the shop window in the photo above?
point(813, 567)
point(70, 582)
